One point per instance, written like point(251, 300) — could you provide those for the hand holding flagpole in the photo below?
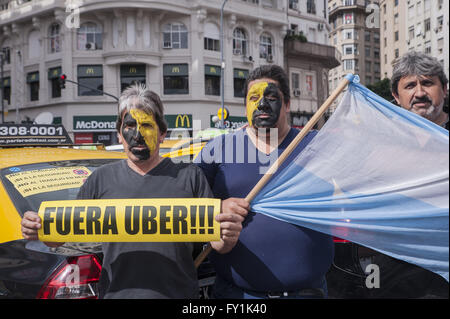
point(263, 181)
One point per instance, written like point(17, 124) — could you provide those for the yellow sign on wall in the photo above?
point(130, 220)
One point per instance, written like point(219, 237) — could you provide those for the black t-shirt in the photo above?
point(147, 270)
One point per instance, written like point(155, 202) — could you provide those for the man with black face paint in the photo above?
point(272, 258)
point(147, 270)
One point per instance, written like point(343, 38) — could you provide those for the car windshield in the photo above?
point(29, 185)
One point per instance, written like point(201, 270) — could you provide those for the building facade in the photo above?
point(419, 25)
point(172, 46)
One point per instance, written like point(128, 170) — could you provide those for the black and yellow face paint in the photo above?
point(263, 105)
point(139, 129)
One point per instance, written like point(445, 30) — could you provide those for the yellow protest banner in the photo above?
point(47, 180)
point(130, 220)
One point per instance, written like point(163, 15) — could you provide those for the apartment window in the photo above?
point(53, 77)
point(440, 45)
point(396, 35)
point(211, 37)
point(367, 36)
point(90, 76)
point(89, 36)
point(396, 53)
point(349, 49)
point(239, 42)
point(411, 32)
point(376, 53)
point(396, 18)
point(293, 4)
point(411, 12)
point(376, 67)
point(349, 2)
point(367, 50)
point(6, 55)
point(440, 22)
point(54, 38)
point(311, 6)
point(131, 74)
point(239, 77)
point(396, 3)
point(212, 80)
point(368, 66)
point(7, 89)
point(175, 36)
point(265, 46)
point(295, 81)
point(350, 34)
point(176, 78)
point(33, 85)
point(427, 24)
point(349, 65)
point(428, 47)
point(348, 18)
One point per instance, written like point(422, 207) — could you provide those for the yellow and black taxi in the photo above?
point(39, 163)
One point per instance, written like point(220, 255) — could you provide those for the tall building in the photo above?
point(419, 25)
point(357, 38)
point(308, 62)
point(172, 46)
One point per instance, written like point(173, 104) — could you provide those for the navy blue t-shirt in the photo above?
point(270, 255)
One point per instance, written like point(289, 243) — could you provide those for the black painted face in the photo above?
point(266, 108)
point(134, 139)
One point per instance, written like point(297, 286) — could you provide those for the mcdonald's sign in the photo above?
point(90, 70)
point(178, 121)
point(182, 118)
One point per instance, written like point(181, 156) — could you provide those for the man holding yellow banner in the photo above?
point(144, 210)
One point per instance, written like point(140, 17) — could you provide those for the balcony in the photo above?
point(326, 55)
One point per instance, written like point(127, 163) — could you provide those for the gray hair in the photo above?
point(140, 97)
point(417, 63)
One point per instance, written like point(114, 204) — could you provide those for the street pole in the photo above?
point(1, 87)
point(222, 68)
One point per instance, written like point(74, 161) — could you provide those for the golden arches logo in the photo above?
point(182, 118)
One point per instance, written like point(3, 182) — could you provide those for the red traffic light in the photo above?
point(62, 81)
point(63, 77)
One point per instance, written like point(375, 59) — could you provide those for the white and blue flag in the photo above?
point(376, 175)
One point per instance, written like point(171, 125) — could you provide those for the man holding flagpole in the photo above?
point(272, 259)
point(419, 85)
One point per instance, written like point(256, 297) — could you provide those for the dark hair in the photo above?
point(417, 63)
point(140, 97)
point(274, 72)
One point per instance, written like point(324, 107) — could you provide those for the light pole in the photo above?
point(222, 67)
point(1, 86)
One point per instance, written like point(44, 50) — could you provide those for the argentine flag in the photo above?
point(376, 175)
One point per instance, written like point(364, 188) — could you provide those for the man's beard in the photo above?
point(142, 155)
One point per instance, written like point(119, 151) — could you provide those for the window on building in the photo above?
point(428, 47)
point(396, 53)
point(427, 24)
point(411, 32)
point(7, 90)
point(311, 6)
point(54, 38)
point(396, 36)
point(211, 37)
point(90, 76)
point(131, 74)
point(89, 37)
point(349, 65)
point(175, 36)
point(176, 78)
point(53, 78)
point(376, 67)
point(239, 42)
point(265, 46)
point(348, 18)
point(396, 18)
point(212, 80)
point(376, 53)
point(33, 85)
point(349, 49)
point(293, 4)
point(367, 36)
point(239, 77)
point(6, 54)
point(34, 44)
point(440, 45)
point(367, 50)
point(368, 66)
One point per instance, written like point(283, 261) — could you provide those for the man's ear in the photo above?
point(162, 137)
point(288, 106)
point(119, 138)
point(396, 97)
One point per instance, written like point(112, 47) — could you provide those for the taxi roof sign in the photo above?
point(13, 135)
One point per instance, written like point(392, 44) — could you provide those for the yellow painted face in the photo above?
point(147, 127)
point(254, 96)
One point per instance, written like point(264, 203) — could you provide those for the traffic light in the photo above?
point(62, 81)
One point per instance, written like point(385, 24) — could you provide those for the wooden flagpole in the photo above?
point(266, 177)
